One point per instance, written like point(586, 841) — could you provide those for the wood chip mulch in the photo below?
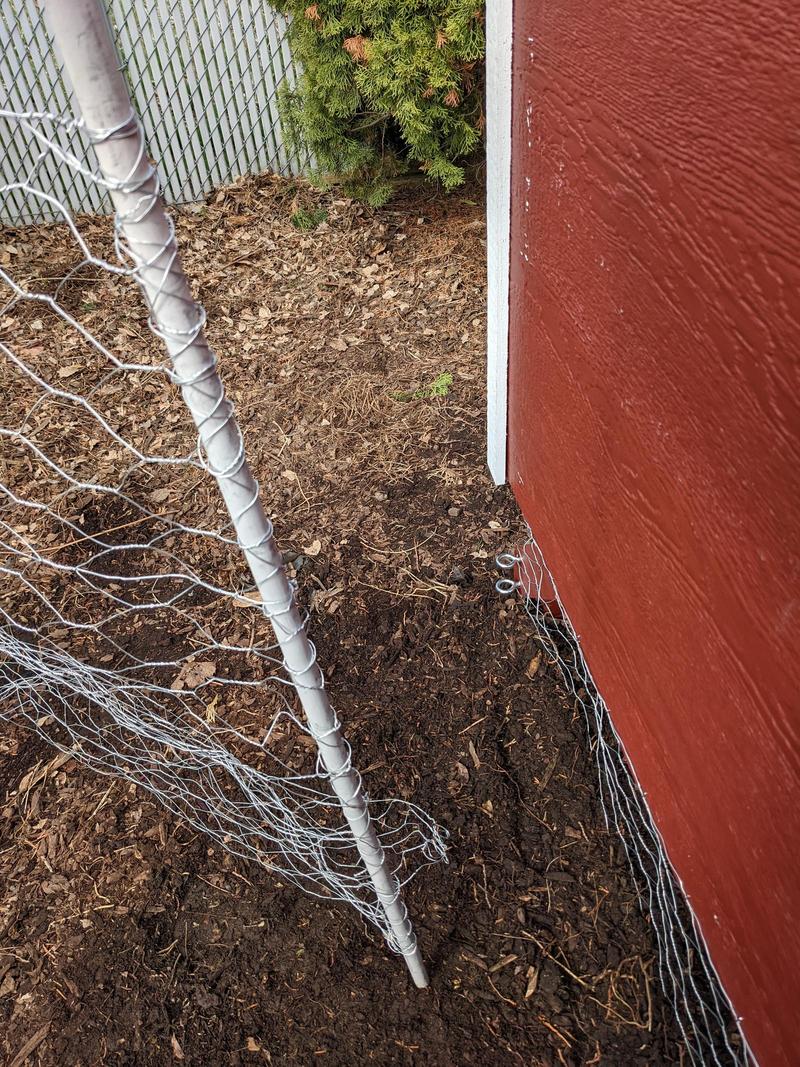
point(355, 354)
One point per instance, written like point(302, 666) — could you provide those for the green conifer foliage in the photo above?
point(389, 88)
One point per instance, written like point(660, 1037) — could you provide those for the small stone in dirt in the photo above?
point(380, 496)
point(462, 771)
point(458, 576)
point(454, 512)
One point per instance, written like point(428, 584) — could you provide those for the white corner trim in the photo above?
point(499, 28)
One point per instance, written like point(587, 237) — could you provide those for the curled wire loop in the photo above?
point(506, 561)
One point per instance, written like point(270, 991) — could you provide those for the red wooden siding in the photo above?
point(654, 428)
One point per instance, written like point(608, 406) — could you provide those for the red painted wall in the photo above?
point(654, 438)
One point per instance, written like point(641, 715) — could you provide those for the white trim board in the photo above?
point(499, 28)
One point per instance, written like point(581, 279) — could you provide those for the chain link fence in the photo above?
point(204, 76)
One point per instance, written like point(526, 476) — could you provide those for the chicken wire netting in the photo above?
point(704, 1014)
point(131, 634)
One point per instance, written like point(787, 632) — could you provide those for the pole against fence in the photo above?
point(146, 236)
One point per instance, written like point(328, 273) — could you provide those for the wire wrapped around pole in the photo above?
point(123, 718)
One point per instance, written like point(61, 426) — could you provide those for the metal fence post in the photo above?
point(146, 236)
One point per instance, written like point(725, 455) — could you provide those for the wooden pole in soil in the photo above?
point(83, 37)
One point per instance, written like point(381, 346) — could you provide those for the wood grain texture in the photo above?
point(655, 431)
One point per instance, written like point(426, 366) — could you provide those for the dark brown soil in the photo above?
point(125, 938)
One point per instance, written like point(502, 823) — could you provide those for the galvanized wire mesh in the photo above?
point(132, 636)
point(705, 1017)
point(204, 76)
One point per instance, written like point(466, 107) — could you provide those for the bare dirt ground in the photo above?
point(355, 354)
